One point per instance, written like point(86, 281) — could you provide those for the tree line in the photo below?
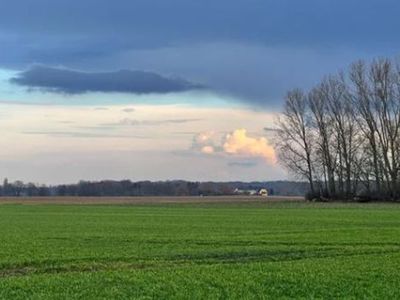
point(117, 188)
point(343, 135)
point(148, 188)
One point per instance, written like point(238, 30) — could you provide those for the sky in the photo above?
point(167, 89)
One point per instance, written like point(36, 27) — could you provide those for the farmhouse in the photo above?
point(263, 192)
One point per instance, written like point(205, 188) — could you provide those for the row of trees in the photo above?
point(149, 188)
point(343, 135)
point(118, 188)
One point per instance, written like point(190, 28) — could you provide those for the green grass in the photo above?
point(203, 251)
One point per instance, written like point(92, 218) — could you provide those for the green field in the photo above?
point(200, 251)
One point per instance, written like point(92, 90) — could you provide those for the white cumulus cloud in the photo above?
point(239, 143)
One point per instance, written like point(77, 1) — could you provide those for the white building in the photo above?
point(263, 192)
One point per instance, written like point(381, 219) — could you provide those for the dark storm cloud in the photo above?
point(125, 81)
point(263, 47)
point(150, 23)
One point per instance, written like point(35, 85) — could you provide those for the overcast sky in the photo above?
point(167, 89)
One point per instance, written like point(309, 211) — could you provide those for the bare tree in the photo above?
point(294, 136)
point(322, 121)
point(365, 115)
point(342, 115)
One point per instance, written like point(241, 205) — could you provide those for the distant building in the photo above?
point(263, 192)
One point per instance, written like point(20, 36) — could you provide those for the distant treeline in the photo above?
point(149, 188)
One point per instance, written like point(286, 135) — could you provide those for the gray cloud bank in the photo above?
point(123, 81)
point(253, 50)
point(50, 30)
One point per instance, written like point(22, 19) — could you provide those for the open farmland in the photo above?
point(198, 249)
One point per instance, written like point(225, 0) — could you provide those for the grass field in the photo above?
point(210, 250)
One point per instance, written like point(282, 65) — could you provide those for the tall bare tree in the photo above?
point(365, 115)
point(295, 139)
point(322, 121)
